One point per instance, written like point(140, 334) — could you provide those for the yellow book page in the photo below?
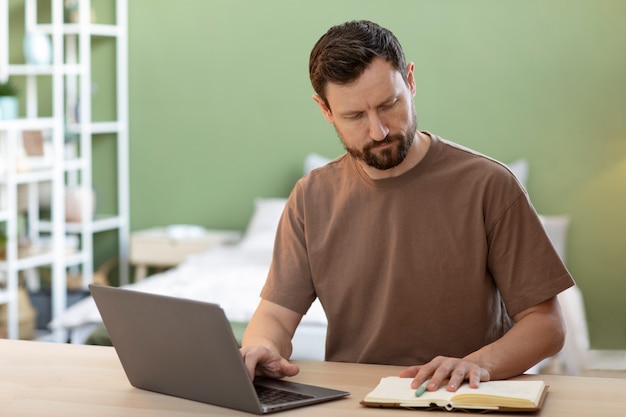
point(514, 394)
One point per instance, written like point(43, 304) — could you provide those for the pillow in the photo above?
point(313, 161)
point(520, 170)
point(261, 230)
point(556, 227)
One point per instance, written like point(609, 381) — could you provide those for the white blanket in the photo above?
point(231, 276)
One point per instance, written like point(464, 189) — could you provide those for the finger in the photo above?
point(289, 369)
point(442, 372)
point(425, 374)
point(477, 376)
point(409, 372)
point(420, 374)
point(456, 378)
point(249, 363)
point(272, 365)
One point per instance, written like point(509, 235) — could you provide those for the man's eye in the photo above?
point(388, 106)
point(355, 116)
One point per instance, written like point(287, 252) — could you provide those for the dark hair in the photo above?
point(343, 53)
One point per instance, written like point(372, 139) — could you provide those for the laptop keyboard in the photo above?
point(272, 396)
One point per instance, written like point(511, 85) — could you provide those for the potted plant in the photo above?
point(8, 101)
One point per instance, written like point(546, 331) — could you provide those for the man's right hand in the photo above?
point(262, 361)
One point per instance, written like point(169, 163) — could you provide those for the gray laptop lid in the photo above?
point(187, 349)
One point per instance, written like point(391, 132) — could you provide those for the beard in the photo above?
point(390, 157)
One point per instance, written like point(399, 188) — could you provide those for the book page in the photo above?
point(492, 394)
point(398, 390)
point(501, 393)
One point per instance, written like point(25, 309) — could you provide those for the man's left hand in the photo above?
point(449, 371)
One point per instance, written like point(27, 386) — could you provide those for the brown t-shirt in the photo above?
point(432, 262)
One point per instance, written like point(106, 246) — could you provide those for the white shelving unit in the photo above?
point(70, 76)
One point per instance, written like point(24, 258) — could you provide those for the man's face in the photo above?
point(374, 116)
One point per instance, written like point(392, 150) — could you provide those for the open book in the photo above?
point(492, 395)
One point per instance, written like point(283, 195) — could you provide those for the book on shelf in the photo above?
point(510, 396)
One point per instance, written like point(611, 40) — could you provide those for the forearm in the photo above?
point(271, 327)
point(538, 333)
point(257, 334)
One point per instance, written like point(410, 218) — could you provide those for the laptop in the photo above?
point(187, 349)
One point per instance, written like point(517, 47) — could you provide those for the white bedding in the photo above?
point(231, 276)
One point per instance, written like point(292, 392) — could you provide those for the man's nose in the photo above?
point(378, 129)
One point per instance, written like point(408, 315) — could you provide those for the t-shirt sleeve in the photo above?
point(523, 262)
point(289, 281)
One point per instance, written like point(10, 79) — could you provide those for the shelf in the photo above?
point(30, 177)
point(75, 29)
point(40, 123)
point(72, 259)
point(101, 223)
point(4, 296)
point(45, 258)
point(96, 128)
point(30, 261)
point(75, 259)
point(72, 45)
point(75, 164)
point(26, 69)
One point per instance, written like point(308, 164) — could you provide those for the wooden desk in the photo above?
point(45, 379)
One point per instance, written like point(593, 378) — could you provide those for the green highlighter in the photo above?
point(422, 388)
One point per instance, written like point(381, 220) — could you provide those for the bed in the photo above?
point(232, 276)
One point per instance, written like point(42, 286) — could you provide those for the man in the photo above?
point(422, 253)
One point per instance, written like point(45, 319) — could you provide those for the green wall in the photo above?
point(221, 111)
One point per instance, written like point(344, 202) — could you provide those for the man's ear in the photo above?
point(324, 108)
point(410, 77)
